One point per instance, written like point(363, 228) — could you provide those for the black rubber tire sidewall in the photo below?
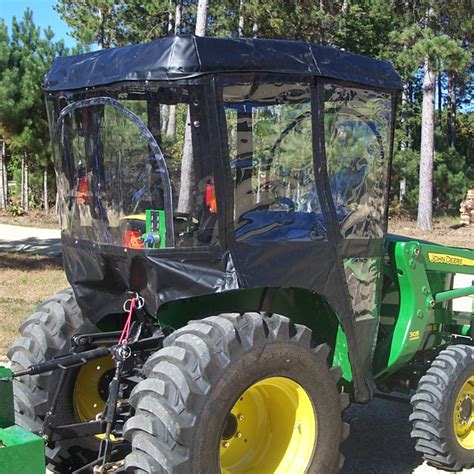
point(433, 409)
point(465, 455)
point(192, 384)
point(58, 327)
point(277, 360)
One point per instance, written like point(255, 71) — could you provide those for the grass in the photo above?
point(25, 280)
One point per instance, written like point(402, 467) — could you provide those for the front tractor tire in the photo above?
point(443, 410)
point(238, 393)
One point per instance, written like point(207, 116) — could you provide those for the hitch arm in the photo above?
point(63, 362)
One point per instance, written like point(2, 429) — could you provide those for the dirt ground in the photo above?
point(25, 280)
point(446, 231)
point(34, 218)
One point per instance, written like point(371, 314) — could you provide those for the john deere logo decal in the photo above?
point(450, 259)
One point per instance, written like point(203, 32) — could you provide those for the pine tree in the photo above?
point(29, 54)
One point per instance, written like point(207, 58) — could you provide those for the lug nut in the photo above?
point(241, 417)
point(226, 444)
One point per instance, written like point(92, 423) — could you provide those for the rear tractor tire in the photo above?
point(44, 335)
point(443, 410)
point(238, 393)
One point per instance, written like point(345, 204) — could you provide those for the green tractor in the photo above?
point(229, 301)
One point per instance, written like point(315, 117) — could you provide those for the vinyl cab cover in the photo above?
point(180, 57)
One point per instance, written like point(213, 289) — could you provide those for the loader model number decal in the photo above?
point(450, 259)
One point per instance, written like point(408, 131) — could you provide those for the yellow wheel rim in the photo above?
point(464, 415)
point(90, 390)
point(272, 428)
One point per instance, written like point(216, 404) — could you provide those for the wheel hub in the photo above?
point(466, 409)
point(230, 427)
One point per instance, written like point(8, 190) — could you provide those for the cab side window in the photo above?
point(269, 130)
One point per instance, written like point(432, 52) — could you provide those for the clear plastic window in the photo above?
point(357, 131)
point(269, 128)
point(112, 188)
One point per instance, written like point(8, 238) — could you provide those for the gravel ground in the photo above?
point(379, 441)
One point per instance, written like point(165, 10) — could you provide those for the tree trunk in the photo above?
point(440, 98)
point(24, 196)
point(171, 123)
point(3, 177)
point(451, 116)
point(22, 184)
point(171, 126)
point(164, 113)
point(425, 199)
point(404, 143)
point(45, 191)
point(170, 18)
point(241, 19)
point(178, 17)
point(187, 166)
point(201, 19)
point(187, 174)
point(403, 189)
point(345, 7)
point(27, 189)
point(255, 28)
point(56, 202)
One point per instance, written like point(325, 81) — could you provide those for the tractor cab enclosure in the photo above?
point(190, 166)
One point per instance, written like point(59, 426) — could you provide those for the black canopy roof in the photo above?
point(179, 57)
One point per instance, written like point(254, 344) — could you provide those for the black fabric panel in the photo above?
point(103, 275)
point(308, 265)
point(178, 57)
point(346, 66)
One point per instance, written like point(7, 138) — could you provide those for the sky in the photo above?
point(43, 16)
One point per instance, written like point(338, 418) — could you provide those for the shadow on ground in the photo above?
point(49, 247)
point(28, 262)
point(379, 441)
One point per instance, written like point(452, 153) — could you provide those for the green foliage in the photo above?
point(25, 57)
point(404, 32)
point(114, 22)
point(16, 210)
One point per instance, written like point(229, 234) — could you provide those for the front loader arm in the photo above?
point(423, 303)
